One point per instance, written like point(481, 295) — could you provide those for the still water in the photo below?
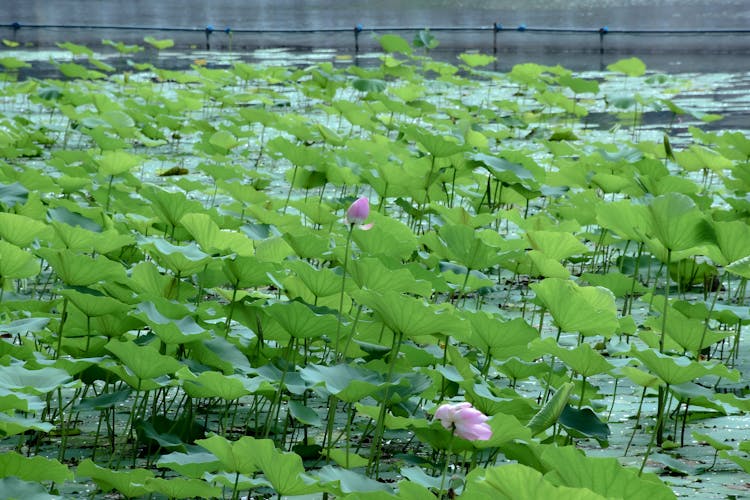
point(580, 51)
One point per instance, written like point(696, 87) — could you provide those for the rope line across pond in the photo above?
point(495, 28)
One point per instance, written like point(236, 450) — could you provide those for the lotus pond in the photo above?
point(187, 311)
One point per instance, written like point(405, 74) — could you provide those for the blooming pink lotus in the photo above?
point(465, 421)
point(358, 213)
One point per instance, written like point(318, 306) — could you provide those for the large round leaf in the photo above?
point(589, 310)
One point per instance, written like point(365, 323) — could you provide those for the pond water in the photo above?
point(719, 84)
point(579, 51)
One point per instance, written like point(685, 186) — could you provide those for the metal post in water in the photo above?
point(602, 31)
point(357, 31)
point(229, 33)
point(16, 26)
point(209, 30)
point(495, 28)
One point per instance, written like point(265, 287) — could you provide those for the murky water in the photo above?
point(672, 53)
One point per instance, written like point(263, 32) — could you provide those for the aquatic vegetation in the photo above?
point(401, 280)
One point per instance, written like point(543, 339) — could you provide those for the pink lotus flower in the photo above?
point(465, 421)
point(358, 213)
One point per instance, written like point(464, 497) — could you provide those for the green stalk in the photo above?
point(276, 403)
point(231, 311)
point(343, 286)
point(63, 318)
point(448, 454)
point(666, 305)
point(377, 438)
point(289, 193)
point(657, 435)
point(63, 432)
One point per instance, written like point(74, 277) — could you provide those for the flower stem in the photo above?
point(343, 286)
point(377, 438)
point(448, 454)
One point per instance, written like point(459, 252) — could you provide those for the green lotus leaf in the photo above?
point(476, 60)
point(588, 310)
point(159, 44)
point(180, 259)
point(105, 400)
point(373, 274)
point(342, 482)
point(144, 361)
point(321, 282)
point(40, 381)
point(130, 483)
point(173, 323)
point(388, 237)
point(118, 162)
point(463, 246)
point(21, 230)
point(211, 384)
point(14, 488)
point(741, 461)
point(16, 262)
point(81, 270)
point(500, 338)
point(520, 482)
point(301, 321)
point(582, 359)
point(304, 414)
point(348, 383)
point(436, 145)
point(192, 465)
point(631, 67)
point(33, 468)
point(182, 488)
point(394, 43)
point(583, 423)
point(170, 207)
point(412, 317)
point(676, 370)
point(605, 476)
point(626, 219)
point(238, 456)
point(93, 302)
point(214, 240)
point(284, 470)
point(557, 245)
point(550, 412)
point(677, 223)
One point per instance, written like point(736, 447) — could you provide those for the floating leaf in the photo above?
point(183, 488)
point(240, 456)
point(15, 488)
point(412, 317)
point(519, 482)
point(588, 310)
point(394, 43)
point(193, 464)
point(144, 361)
point(550, 412)
point(631, 67)
point(159, 44)
point(33, 468)
point(605, 476)
point(584, 423)
point(130, 483)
